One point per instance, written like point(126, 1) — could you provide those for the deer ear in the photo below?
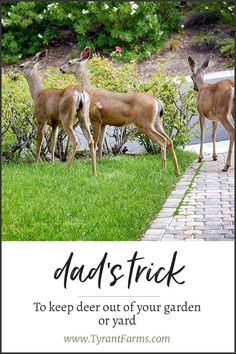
point(41, 55)
point(85, 54)
point(191, 63)
point(205, 63)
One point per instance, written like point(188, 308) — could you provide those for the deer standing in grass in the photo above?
point(58, 108)
point(120, 109)
point(215, 102)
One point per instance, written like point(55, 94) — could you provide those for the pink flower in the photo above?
point(99, 105)
point(60, 82)
point(118, 49)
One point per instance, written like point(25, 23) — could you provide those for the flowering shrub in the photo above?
point(138, 28)
point(18, 124)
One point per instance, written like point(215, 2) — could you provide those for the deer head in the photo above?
point(28, 67)
point(198, 73)
point(77, 65)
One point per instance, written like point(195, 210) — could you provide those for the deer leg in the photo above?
point(96, 133)
point(100, 141)
point(40, 131)
point(53, 141)
point(153, 134)
point(202, 132)
point(170, 146)
point(230, 129)
point(74, 141)
point(89, 138)
point(214, 126)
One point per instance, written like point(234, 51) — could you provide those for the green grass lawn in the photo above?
point(51, 202)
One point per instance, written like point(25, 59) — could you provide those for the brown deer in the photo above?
point(120, 109)
point(58, 108)
point(214, 102)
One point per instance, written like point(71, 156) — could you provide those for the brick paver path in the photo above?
point(206, 213)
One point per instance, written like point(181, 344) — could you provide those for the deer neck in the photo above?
point(35, 85)
point(200, 82)
point(83, 79)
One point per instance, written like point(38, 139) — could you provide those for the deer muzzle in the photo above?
point(63, 69)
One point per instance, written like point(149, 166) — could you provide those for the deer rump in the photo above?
point(57, 104)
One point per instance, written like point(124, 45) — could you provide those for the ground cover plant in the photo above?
point(51, 202)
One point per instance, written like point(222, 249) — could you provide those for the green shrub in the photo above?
point(227, 49)
point(18, 127)
point(179, 108)
point(204, 43)
point(138, 28)
point(207, 12)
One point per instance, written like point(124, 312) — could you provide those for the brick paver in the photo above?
point(206, 212)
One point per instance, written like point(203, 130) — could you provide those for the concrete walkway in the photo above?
point(201, 207)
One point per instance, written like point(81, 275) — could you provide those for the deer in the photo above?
point(214, 102)
point(121, 109)
point(59, 108)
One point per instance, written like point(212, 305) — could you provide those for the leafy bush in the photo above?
point(218, 18)
point(18, 124)
point(138, 28)
point(179, 108)
point(18, 128)
point(207, 12)
point(203, 43)
point(227, 49)
point(208, 42)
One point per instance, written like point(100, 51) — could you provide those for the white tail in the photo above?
point(58, 108)
point(215, 102)
point(119, 109)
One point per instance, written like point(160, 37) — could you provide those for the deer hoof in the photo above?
point(214, 158)
point(225, 169)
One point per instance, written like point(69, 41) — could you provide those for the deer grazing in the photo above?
point(58, 108)
point(120, 109)
point(214, 102)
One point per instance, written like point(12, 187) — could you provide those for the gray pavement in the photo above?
point(201, 207)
